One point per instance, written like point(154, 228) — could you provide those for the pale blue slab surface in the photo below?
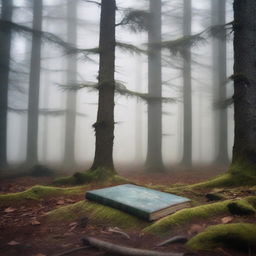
point(145, 199)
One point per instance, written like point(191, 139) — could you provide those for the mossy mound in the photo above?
point(163, 226)
point(100, 175)
point(35, 193)
point(236, 176)
point(96, 214)
point(237, 236)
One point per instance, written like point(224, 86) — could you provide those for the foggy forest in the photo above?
point(128, 127)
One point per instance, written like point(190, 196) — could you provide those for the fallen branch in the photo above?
point(175, 239)
point(123, 250)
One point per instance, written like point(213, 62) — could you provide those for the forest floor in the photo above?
point(24, 230)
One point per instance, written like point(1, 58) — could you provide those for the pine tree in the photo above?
point(187, 87)
point(34, 85)
point(154, 162)
point(69, 154)
point(244, 150)
point(219, 79)
point(5, 49)
point(104, 126)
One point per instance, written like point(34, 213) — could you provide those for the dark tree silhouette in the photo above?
point(104, 126)
point(219, 80)
point(244, 150)
point(5, 48)
point(154, 162)
point(34, 85)
point(69, 154)
point(187, 90)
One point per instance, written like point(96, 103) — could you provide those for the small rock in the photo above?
point(195, 228)
point(72, 224)
point(13, 243)
point(35, 222)
point(61, 202)
point(226, 220)
point(9, 210)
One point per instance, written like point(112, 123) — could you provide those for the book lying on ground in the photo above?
point(143, 202)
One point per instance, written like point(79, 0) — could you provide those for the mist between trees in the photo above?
point(153, 78)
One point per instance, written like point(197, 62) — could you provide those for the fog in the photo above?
point(131, 132)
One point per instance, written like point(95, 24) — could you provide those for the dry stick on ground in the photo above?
point(175, 239)
point(123, 250)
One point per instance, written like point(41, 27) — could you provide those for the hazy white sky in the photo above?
point(132, 71)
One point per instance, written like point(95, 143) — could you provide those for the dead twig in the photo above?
point(172, 240)
point(119, 231)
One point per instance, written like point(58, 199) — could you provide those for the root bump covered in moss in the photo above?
point(240, 236)
point(35, 193)
point(96, 214)
point(186, 216)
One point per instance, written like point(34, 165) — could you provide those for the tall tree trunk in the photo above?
point(219, 52)
point(34, 85)
point(138, 114)
point(187, 91)
point(154, 160)
point(104, 126)
point(244, 149)
point(69, 154)
point(5, 49)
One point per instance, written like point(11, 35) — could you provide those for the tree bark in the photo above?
point(34, 85)
point(244, 149)
point(154, 162)
point(104, 126)
point(219, 52)
point(187, 88)
point(5, 49)
point(69, 154)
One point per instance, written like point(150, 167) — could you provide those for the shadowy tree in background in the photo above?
point(104, 126)
point(154, 160)
point(69, 154)
point(5, 49)
point(187, 90)
point(219, 80)
point(34, 85)
point(244, 150)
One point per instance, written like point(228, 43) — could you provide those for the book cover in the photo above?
point(143, 202)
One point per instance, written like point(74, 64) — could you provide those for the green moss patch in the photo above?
point(236, 176)
point(237, 236)
point(100, 175)
point(96, 214)
point(35, 193)
point(186, 216)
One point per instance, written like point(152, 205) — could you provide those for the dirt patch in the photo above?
point(24, 231)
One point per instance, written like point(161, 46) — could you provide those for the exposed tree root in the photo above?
point(123, 250)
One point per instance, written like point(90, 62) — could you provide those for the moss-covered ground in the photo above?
point(238, 236)
point(96, 214)
point(203, 212)
point(238, 174)
point(235, 190)
point(100, 176)
point(36, 193)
